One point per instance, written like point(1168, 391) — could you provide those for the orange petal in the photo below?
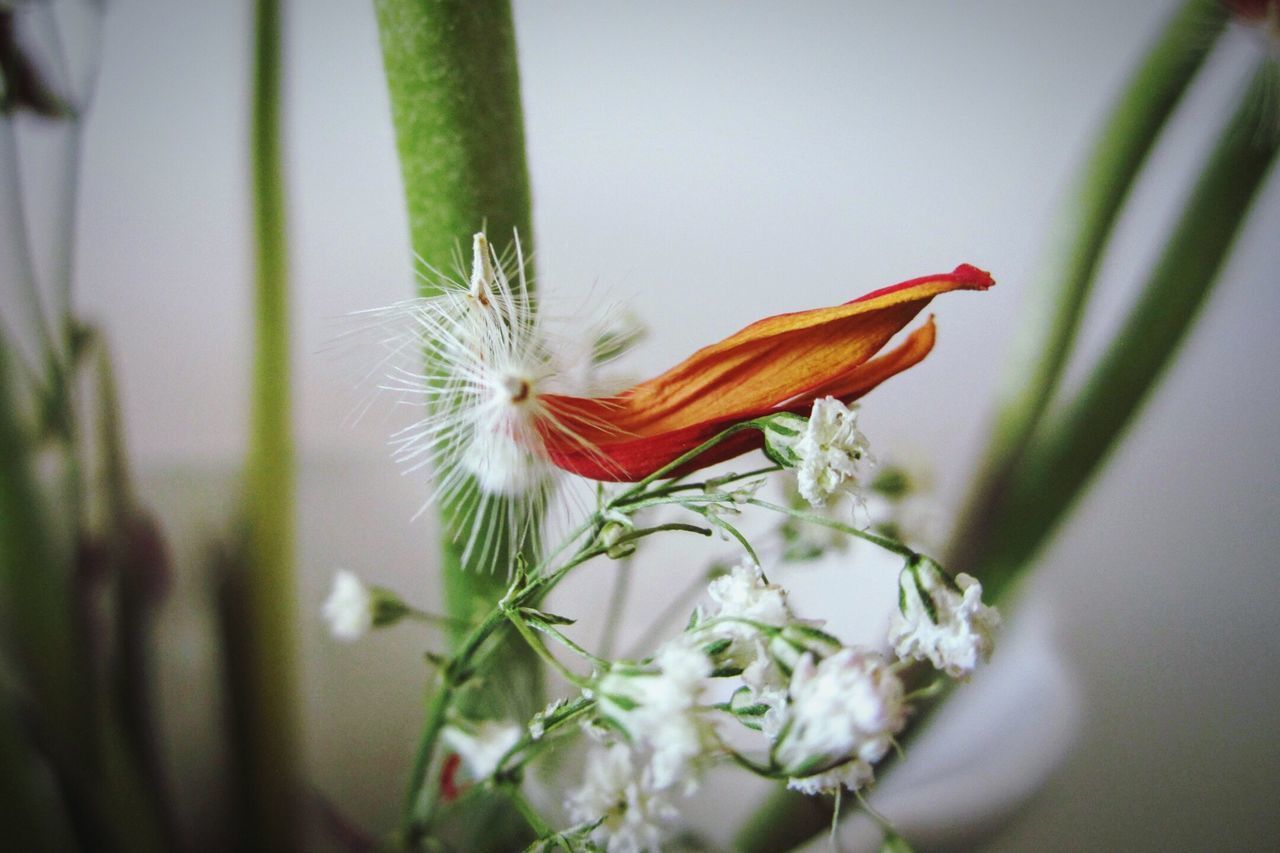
point(776, 364)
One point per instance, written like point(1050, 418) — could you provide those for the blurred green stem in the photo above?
point(266, 700)
point(1070, 449)
point(1048, 332)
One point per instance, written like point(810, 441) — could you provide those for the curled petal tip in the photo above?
point(972, 278)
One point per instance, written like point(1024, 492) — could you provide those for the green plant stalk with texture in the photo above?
point(455, 101)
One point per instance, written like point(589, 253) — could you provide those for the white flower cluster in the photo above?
point(827, 449)
point(827, 712)
point(353, 607)
point(941, 620)
point(660, 709)
point(630, 809)
point(841, 717)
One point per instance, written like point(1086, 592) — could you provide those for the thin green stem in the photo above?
point(682, 460)
point(523, 629)
point(617, 604)
point(556, 634)
point(526, 809)
point(1047, 335)
point(417, 802)
point(267, 705)
point(891, 545)
point(1069, 452)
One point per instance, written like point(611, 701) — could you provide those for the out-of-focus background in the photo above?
point(712, 163)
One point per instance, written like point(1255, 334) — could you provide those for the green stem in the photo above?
point(37, 631)
point(1048, 333)
point(1070, 450)
point(267, 703)
point(893, 546)
point(526, 633)
point(617, 604)
point(455, 101)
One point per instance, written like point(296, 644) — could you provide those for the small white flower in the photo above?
point(349, 607)
point(481, 745)
point(852, 775)
point(849, 706)
point(740, 495)
point(631, 810)
point(953, 630)
point(831, 452)
point(538, 724)
point(662, 711)
point(745, 594)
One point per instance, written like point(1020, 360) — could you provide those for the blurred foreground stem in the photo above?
point(1070, 449)
point(1052, 318)
point(261, 659)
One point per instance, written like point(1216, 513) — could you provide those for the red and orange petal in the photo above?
point(778, 364)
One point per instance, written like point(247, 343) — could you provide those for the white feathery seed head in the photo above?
point(477, 360)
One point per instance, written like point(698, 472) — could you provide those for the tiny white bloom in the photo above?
point(848, 706)
point(735, 497)
point(661, 711)
point(831, 452)
point(953, 630)
point(349, 607)
point(744, 593)
point(481, 745)
point(852, 775)
point(538, 724)
point(620, 795)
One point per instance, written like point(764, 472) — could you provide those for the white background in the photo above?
point(715, 163)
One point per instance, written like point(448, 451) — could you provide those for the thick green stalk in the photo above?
point(1070, 450)
point(266, 702)
point(455, 99)
point(1048, 331)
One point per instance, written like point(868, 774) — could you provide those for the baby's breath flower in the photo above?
point(941, 620)
point(846, 707)
point(832, 451)
point(481, 745)
point(744, 593)
point(349, 607)
point(852, 775)
point(621, 796)
point(661, 711)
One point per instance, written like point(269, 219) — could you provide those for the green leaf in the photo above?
point(546, 618)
